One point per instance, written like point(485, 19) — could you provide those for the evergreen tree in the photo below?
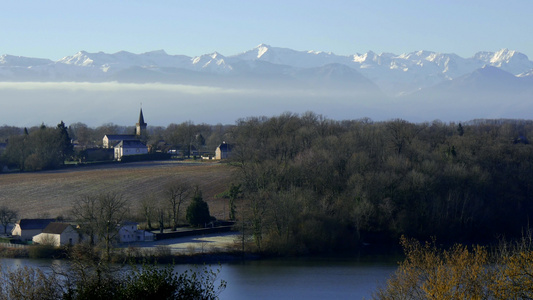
point(198, 211)
point(64, 143)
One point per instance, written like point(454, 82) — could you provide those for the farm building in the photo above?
point(26, 229)
point(129, 232)
point(223, 151)
point(58, 234)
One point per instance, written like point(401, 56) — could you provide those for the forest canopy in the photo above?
point(311, 184)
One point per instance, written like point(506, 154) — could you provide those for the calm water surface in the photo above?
point(316, 278)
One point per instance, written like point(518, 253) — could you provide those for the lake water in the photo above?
point(308, 278)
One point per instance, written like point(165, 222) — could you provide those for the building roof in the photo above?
point(28, 224)
point(225, 147)
point(130, 144)
point(56, 227)
point(119, 137)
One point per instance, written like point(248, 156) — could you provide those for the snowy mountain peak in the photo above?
point(394, 74)
point(367, 57)
point(81, 58)
point(262, 49)
point(216, 55)
point(214, 62)
point(502, 55)
point(319, 52)
point(509, 60)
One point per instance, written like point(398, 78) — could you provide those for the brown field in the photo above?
point(52, 193)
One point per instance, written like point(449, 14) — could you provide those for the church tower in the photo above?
point(140, 127)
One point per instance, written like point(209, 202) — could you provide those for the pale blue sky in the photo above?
point(57, 28)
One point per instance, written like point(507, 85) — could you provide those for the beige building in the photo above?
point(223, 151)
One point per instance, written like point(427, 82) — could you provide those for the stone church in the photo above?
point(128, 144)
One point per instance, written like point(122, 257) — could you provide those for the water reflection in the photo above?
point(307, 278)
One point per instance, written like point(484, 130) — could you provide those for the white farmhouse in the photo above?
point(129, 232)
point(57, 234)
point(125, 148)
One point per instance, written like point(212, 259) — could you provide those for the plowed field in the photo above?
point(52, 193)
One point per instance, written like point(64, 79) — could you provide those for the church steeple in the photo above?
point(140, 127)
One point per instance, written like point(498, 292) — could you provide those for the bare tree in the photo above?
point(85, 212)
point(7, 216)
point(100, 217)
point(177, 193)
point(148, 210)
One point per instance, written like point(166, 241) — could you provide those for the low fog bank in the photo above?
point(29, 104)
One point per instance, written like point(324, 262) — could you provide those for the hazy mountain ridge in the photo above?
point(393, 74)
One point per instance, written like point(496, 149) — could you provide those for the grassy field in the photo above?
point(52, 193)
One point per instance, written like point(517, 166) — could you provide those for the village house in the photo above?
point(58, 234)
point(223, 151)
point(26, 229)
point(129, 232)
point(124, 148)
point(110, 140)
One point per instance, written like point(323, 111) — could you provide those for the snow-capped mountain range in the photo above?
point(385, 73)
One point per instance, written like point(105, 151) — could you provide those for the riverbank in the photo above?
point(199, 248)
point(190, 247)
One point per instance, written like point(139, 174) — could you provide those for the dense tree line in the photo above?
point(39, 149)
point(311, 184)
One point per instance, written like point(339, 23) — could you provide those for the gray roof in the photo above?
point(225, 147)
point(56, 227)
point(119, 137)
point(28, 224)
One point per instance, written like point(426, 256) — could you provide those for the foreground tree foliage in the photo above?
point(315, 185)
point(429, 272)
point(89, 281)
